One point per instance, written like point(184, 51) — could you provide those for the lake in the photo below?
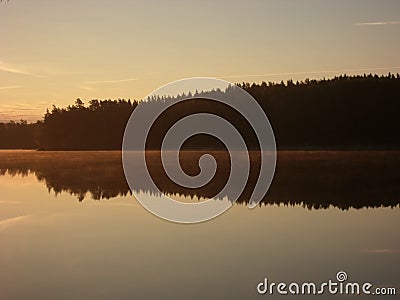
point(70, 228)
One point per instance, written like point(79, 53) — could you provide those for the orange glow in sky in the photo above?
point(52, 52)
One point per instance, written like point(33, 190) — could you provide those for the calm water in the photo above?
point(70, 229)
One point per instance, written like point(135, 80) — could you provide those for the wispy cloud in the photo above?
point(25, 111)
point(9, 87)
point(88, 88)
point(111, 81)
point(377, 23)
point(311, 72)
point(12, 69)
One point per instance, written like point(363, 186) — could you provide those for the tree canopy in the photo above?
point(346, 112)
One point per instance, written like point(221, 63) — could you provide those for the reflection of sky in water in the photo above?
point(57, 248)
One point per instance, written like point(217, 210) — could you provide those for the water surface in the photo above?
point(70, 229)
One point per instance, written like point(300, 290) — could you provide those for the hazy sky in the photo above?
point(52, 51)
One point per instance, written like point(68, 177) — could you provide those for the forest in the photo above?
point(345, 112)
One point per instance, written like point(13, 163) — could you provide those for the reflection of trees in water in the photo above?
point(99, 174)
point(312, 179)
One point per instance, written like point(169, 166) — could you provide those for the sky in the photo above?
point(52, 52)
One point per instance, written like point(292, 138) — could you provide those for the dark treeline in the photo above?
point(357, 112)
point(18, 135)
point(100, 126)
point(344, 112)
point(97, 126)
